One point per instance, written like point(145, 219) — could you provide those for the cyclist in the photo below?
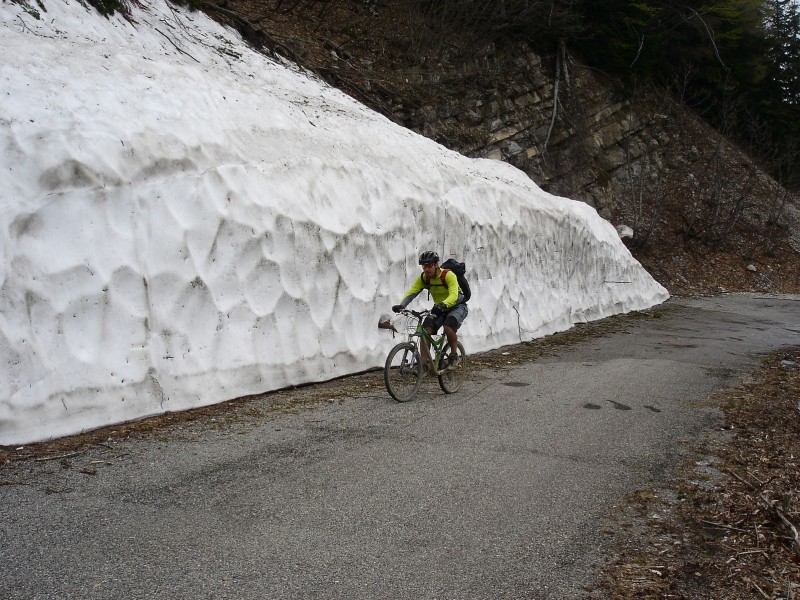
point(449, 308)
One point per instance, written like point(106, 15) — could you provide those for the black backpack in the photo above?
point(460, 269)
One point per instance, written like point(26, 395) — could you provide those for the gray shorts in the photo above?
point(453, 318)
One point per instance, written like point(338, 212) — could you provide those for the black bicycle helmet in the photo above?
point(428, 258)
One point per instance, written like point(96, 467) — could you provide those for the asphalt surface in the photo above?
point(499, 491)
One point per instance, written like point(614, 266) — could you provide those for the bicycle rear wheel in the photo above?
point(403, 372)
point(453, 378)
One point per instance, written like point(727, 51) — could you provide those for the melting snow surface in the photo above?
point(185, 221)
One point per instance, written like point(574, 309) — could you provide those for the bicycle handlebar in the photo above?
point(419, 315)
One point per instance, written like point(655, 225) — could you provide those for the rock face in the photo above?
point(589, 143)
point(185, 221)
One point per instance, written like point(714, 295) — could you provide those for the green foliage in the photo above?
point(777, 101)
point(783, 40)
point(710, 43)
point(617, 35)
point(542, 22)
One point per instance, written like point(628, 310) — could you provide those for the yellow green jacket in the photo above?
point(449, 294)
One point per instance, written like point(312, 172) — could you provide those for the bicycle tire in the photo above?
point(451, 381)
point(402, 372)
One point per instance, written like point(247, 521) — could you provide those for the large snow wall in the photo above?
point(184, 221)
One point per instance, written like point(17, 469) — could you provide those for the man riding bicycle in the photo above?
point(449, 308)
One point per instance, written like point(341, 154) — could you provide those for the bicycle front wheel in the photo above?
point(452, 378)
point(403, 372)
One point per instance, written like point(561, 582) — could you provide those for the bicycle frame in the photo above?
point(436, 341)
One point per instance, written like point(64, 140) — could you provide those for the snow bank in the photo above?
point(184, 221)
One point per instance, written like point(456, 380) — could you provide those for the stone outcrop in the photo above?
point(508, 114)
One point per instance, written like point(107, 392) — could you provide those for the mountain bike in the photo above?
point(408, 362)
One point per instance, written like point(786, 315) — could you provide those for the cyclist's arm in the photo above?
point(414, 291)
point(452, 289)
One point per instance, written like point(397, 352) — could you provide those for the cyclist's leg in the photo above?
point(455, 317)
point(451, 335)
point(432, 323)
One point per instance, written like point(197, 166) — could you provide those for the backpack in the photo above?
point(460, 269)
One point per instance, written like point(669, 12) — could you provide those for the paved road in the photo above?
point(496, 492)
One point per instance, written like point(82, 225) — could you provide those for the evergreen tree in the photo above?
point(778, 100)
point(783, 36)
